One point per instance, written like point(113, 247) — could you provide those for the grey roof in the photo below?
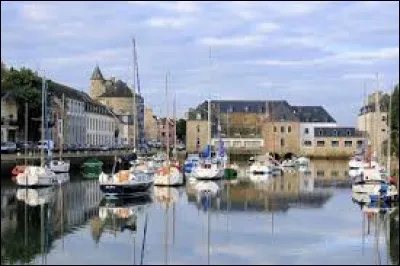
point(96, 75)
point(370, 108)
point(8, 95)
point(117, 89)
point(238, 106)
point(313, 114)
point(337, 132)
point(281, 111)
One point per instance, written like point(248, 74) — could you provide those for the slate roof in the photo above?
point(238, 106)
point(370, 108)
point(96, 75)
point(313, 114)
point(337, 132)
point(281, 111)
point(8, 95)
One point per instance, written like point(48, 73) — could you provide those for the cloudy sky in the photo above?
point(309, 53)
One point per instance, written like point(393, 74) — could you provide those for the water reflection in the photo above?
point(295, 218)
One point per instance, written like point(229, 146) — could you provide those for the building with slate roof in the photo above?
point(266, 126)
point(117, 95)
point(9, 115)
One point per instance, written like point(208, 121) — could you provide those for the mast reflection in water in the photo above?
point(298, 218)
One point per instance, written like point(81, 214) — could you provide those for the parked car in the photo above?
point(8, 147)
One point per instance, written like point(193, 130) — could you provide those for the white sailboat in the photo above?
point(169, 174)
point(36, 176)
point(60, 165)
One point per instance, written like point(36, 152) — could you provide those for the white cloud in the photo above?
point(36, 12)
point(238, 41)
point(168, 22)
point(364, 76)
point(267, 27)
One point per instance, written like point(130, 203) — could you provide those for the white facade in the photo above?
point(75, 122)
point(307, 132)
point(100, 129)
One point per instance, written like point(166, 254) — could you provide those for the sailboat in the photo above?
point(169, 174)
point(210, 168)
point(60, 166)
point(36, 176)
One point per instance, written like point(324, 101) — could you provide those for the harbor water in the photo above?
point(296, 218)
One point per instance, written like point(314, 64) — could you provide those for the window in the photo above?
point(383, 129)
point(335, 132)
point(320, 173)
point(383, 118)
point(334, 173)
point(307, 143)
point(320, 143)
point(282, 129)
point(348, 132)
point(306, 131)
point(320, 132)
point(289, 129)
point(335, 143)
point(274, 129)
point(348, 143)
point(282, 142)
point(359, 143)
point(198, 129)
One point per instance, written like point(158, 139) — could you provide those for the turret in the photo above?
point(97, 87)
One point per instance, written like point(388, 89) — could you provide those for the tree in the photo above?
point(181, 129)
point(395, 121)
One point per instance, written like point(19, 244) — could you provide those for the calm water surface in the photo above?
point(293, 219)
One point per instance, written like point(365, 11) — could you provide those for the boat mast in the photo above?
point(167, 114)
point(42, 127)
point(26, 132)
point(62, 127)
point(366, 145)
point(209, 110)
point(174, 119)
point(389, 129)
point(134, 111)
point(377, 119)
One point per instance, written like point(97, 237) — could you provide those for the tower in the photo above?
point(97, 87)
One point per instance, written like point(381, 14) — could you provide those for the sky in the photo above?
point(308, 53)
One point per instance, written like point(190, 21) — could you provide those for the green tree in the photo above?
point(26, 88)
point(181, 129)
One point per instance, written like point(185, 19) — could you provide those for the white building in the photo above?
point(101, 125)
point(311, 117)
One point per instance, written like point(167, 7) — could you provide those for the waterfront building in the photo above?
point(163, 131)
point(117, 96)
point(374, 122)
point(151, 126)
point(9, 115)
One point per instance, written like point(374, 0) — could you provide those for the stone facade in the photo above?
point(151, 127)
point(196, 135)
point(163, 131)
point(281, 137)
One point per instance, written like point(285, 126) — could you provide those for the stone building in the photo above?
point(163, 131)
point(373, 122)
point(151, 127)
point(9, 115)
point(116, 95)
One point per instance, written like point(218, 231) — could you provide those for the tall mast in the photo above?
point(174, 119)
point(62, 126)
point(378, 121)
point(134, 113)
point(42, 127)
point(365, 122)
point(26, 130)
point(167, 114)
point(209, 106)
point(389, 129)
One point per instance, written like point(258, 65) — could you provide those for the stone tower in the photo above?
point(97, 86)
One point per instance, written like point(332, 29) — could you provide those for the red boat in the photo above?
point(18, 169)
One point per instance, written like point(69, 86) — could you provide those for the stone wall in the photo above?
point(281, 137)
point(192, 134)
point(329, 151)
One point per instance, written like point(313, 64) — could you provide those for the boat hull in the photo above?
point(124, 189)
point(230, 173)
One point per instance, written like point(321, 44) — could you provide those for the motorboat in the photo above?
point(37, 196)
point(125, 180)
point(261, 166)
point(59, 166)
point(288, 163)
point(209, 170)
point(18, 169)
point(37, 176)
point(168, 175)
